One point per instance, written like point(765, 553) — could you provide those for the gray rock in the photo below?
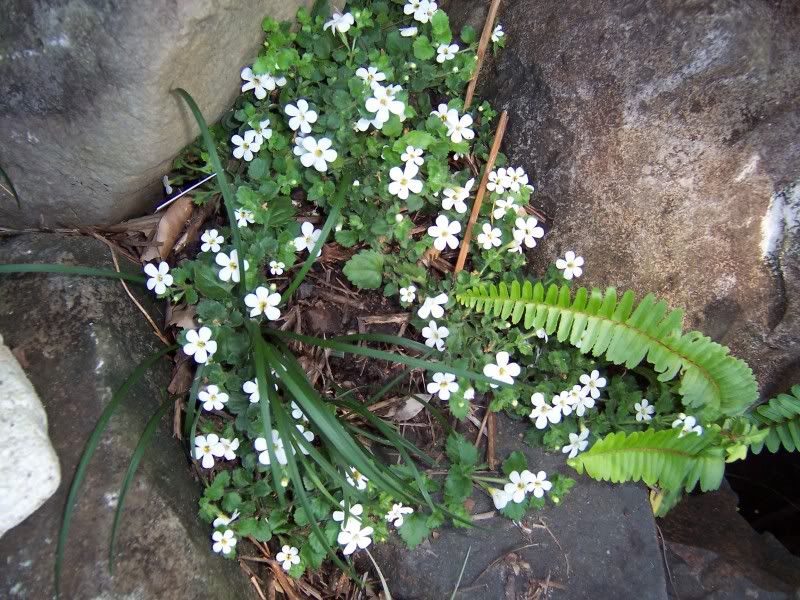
point(78, 339)
point(600, 543)
point(662, 139)
point(88, 123)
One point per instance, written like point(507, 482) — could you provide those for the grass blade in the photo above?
point(192, 408)
point(88, 452)
point(13, 190)
point(69, 270)
point(136, 458)
point(387, 594)
point(461, 574)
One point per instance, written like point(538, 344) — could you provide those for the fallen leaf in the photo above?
point(169, 228)
point(182, 316)
point(181, 378)
point(409, 408)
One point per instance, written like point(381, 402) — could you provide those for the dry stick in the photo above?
point(483, 45)
point(498, 139)
point(490, 449)
point(482, 427)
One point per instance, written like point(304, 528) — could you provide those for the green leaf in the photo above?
point(457, 485)
point(258, 528)
point(516, 461)
point(414, 530)
point(423, 49)
point(440, 28)
point(468, 34)
point(459, 406)
point(781, 417)
point(461, 451)
point(393, 127)
point(514, 511)
point(365, 270)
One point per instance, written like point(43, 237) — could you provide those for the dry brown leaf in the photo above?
point(182, 316)
point(181, 377)
point(410, 408)
point(169, 228)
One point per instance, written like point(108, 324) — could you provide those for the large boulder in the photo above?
point(662, 137)
point(88, 123)
point(78, 339)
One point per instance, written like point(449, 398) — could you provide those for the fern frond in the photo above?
point(662, 458)
point(781, 417)
point(603, 324)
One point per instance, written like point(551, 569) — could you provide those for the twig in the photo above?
point(497, 560)
point(340, 299)
point(253, 579)
point(483, 45)
point(555, 539)
point(482, 427)
point(490, 450)
point(473, 217)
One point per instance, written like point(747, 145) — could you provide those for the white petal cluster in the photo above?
point(571, 265)
point(159, 278)
point(444, 233)
point(687, 425)
point(199, 344)
point(519, 486)
point(260, 84)
point(443, 385)
point(455, 197)
point(502, 369)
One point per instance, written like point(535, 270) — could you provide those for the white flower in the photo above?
point(562, 404)
point(541, 334)
point(316, 154)
point(687, 425)
point(355, 512)
point(308, 239)
point(516, 178)
point(497, 33)
point(211, 241)
point(301, 116)
point(223, 542)
point(383, 104)
point(579, 401)
point(251, 388)
point(408, 31)
point(490, 237)
point(371, 75)
point(276, 267)
point(243, 217)
point(339, 22)
point(159, 277)
point(264, 302)
point(357, 479)
point(501, 207)
point(403, 181)
point(571, 265)
point(223, 520)
point(277, 447)
point(167, 186)
point(408, 294)
point(246, 146)
point(412, 6)
point(229, 447)
point(206, 447)
point(441, 112)
point(454, 197)
point(353, 537)
point(644, 410)
point(577, 443)
point(212, 398)
point(539, 484)
point(515, 246)
point(433, 307)
point(528, 231)
point(307, 434)
point(501, 369)
point(498, 181)
point(500, 498)
point(262, 131)
point(518, 484)
point(444, 233)
point(425, 11)
point(592, 384)
point(435, 335)
point(413, 155)
point(230, 266)
point(469, 393)
point(542, 412)
point(288, 556)
point(443, 384)
point(260, 84)
point(458, 128)
point(199, 344)
point(395, 516)
point(445, 52)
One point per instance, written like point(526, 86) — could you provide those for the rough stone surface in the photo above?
point(88, 123)
point(29, 470)
point(78, 339)
point(662, 137)
point(606, 546)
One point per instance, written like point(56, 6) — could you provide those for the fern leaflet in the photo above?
point(781, 417)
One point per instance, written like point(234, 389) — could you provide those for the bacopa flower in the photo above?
point(687, 425)
point(497, 33)
point(454, 197)
point(246, 146)
point(528, 231)
point(412, 6)
point(288, 556)
point(307, 434)
point(413, 155)
point(212, 398)
point(408, 31)
point(580, 401)
point(403, 181)
point(300, 116)
point(265, 302)
point(251, 389)
point(444, 233)
point(562, 404)
point(490, 237)
point(262, 131)
point(199, 344)
point(458, 128)
point(316, 154)
point(224, 520)
point(276, 267)
point(212, 241)
point(159, 277)
point(230, 266)
point(571, 265)
point(229, 448)
point(539, 484)
point(577, 443)
point(206, 448)
point(443, 385)
point(435, 335)
point(644, 411)
point(516, 178)
point(308, 238)
point(408, 294)
point(260, 84)
point(371, 75)
point(277, 448)
point(384, 104)
point(433, 306)
point(501, 207)
point(339, 22)
point(355, 512)
point(441, 112)
point(243, 217)
point(499, 498)
point(297, 412)
point(592, 384)
point(353, 536)
point(396, 515)
point(224, 543)
point(543, 413)
point(498, 181)
point(502, 369)
point(518, 484)
point(357, 479)
point(446, 52)
point(425, 12)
